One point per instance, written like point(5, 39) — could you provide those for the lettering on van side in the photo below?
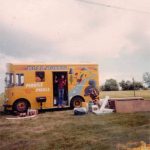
point(34, 85)
point(38, 86)
point(46, 68)
point(42, 90)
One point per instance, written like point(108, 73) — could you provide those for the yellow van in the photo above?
point(36, 86)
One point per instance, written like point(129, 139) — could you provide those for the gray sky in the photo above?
point(77, 31)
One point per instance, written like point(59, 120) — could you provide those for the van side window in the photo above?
point(19, 79)
point(9, 79)
point(39, 76)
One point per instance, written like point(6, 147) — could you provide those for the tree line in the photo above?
point(113, 85)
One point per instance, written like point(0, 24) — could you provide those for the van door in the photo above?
point(58, 77)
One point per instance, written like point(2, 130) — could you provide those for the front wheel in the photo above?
point(76, 102)
point(20, 106)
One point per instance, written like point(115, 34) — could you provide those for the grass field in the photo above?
point(121, 94)
point(63, 130)
point(1, 100)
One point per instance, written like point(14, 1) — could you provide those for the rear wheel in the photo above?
point(76, 102)
point(21, 106)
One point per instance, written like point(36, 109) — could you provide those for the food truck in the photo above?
point(34, 85)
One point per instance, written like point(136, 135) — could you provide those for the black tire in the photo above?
point(76, 102)
point(21, 106)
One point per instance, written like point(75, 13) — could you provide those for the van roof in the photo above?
point(51, 64)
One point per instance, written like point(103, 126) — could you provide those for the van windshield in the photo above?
point(9, 80)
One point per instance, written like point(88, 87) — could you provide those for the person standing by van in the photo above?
point(61, 89)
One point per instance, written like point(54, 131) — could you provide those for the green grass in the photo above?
point(121, 94)
point(63, 130)
point(1, 99)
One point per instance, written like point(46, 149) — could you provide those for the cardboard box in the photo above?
point(130, 106)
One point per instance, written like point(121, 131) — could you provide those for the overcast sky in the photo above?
point(77, 31)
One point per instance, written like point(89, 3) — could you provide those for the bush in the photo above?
point(110, 85)
point(128, 85)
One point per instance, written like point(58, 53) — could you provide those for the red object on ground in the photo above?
point(129, 105)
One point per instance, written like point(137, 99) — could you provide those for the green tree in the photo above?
point(123, 85)
point(110, 85)
point(146, 78)
point(128, 85)
point(138, 85)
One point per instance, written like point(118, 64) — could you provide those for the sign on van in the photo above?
point(47, 67)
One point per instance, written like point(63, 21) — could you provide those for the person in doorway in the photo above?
point(61, 89)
